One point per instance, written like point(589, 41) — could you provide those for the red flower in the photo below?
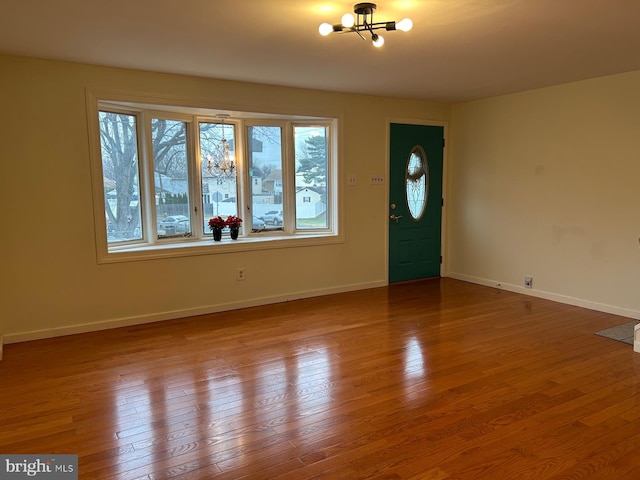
point(217, 222)
point(233, 221)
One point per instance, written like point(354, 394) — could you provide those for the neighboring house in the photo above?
point(273, 182)
point(256, 184)
point(216, 189)
point(309, 202)
point(218, 195)
point(163, 185)
point(166, 184)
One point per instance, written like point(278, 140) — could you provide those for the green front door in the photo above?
point(415, 201)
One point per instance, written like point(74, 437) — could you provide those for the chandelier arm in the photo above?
point(373, 26)
point(370, 29)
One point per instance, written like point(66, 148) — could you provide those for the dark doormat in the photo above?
point(621, 333)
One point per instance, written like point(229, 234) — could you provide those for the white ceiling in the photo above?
point(458, 49)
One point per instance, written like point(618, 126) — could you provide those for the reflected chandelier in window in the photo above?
point(222, 164)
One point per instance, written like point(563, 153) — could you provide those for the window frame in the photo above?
point(139, 120)
point(145, 108)
point(148, 164)
point(331, 166)
point(199, 161)
point(249, 181)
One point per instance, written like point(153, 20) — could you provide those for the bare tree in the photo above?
point(120, 166)
point(169, 152)
point(118, 139)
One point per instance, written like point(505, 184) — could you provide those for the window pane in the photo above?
point(311, 177)
point(265, 170)
point(417, 182)
point(219, 180)
point(171, 176)
point(119, 150)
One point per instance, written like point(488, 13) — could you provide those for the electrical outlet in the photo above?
point(353, 180)
point(377, 180)
point(241, 274)
point(528, 282)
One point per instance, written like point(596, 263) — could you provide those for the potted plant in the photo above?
point(233, 223)
point(216, 224)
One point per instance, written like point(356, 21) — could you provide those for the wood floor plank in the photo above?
point(432, 380)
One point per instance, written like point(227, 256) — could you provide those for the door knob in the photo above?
point(395, 217)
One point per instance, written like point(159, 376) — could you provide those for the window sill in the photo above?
point(192, 247)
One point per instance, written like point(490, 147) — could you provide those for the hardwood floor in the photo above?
point(430, 380)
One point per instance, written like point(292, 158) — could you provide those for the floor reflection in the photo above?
point(414, 369)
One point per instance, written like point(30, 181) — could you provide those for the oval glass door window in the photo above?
point(417, 182)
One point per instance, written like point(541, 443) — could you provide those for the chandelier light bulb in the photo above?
point(348, 20)
point(405, 25)
point(377, 40)
point(325, 29)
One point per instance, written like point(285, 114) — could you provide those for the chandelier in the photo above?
point(222, 165)
point(363, 22)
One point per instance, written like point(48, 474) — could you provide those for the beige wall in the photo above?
point(540, 183)
point(547, 183)
point(53, 284)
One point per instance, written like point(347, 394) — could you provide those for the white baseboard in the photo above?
point(190, 312)
point(576, 302)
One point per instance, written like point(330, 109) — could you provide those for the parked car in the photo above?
point(257, 223)
point(273, 217)
point(174, 224)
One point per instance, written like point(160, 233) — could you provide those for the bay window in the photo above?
point(160, 174)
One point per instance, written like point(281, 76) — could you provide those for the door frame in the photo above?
point(444, 271)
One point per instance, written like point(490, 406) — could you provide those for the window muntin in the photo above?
point(312, 168)
point(120, 176)
point(417, 182)
point(146, 240)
